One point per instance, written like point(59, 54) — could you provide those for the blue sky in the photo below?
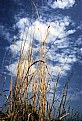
point(64, 20)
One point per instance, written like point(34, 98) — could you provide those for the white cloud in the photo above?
point(50, 30)
point(22, 23)
point(39, 29)
point(62, 4)
point(70, 32)
point(42, 30)
point(45, 31)
point(67, 60)
point(18, 46)
point(13, 68)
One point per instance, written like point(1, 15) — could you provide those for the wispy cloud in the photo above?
point(5, 33)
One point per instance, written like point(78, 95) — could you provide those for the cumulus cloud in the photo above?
point(49, 31)
point(43, 31)
point(53, 33)
point(62, 4)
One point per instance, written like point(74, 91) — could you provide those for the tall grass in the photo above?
point(28, 94)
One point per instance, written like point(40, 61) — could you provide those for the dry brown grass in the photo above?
point(36, 107)
point(27, 99)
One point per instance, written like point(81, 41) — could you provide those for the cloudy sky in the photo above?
point(61, 21)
